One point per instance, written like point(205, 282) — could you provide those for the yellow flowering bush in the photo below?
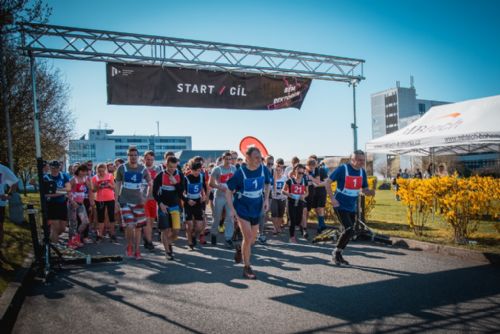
point(418, 196)
point(462, 202)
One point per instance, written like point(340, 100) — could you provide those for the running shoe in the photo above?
point(305, 235)
point(248, 273)
point(213, 240)
point(71, 243)
point(194, 240)
point(237, 255)
point(262, 239)
point(113, 239)
point(129, 251)
point(293, 240)
point(138, 255)
point(339, 259)
point(78, 240)
point(229, 243)
point(191, 247)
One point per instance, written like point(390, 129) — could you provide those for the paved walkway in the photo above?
point(298, 291)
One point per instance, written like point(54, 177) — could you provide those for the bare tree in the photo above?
point(56, 121)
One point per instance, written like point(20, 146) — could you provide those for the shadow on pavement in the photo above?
point(408, 293)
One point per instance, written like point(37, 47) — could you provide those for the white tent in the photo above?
point(458, 128)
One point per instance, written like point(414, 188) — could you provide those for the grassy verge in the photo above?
point(17, 245)
point(389, 217)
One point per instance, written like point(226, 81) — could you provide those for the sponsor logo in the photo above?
point(452, 115)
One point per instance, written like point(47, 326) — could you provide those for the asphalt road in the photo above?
point(386, 290)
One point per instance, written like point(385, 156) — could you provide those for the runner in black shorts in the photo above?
point(167, 191)
point(194, 197)
point(249, 183)
point(56, 189)
point(318, 201)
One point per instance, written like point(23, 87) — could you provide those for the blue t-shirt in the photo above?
point(54, 183)
point(347, 203)
point(248, 199)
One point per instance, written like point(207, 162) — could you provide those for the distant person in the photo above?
point(430, 170)
point(418, 174)
point(405, 174)
point(7, 178)
point(442, 170)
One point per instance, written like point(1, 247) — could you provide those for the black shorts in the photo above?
point(57, 211)
point(278, 208)
point(170, 219)
point(2, 214)
point(194, 212)
point(317, 200)
point(252, 220)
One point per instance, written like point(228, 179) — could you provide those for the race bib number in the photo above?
point(297, 189)
point(254, 183)
point(194, 189)
point(224, 178)
point(353, 182)
point(133, 177)
point(280, 185)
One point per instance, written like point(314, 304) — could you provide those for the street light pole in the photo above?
point(354, 125)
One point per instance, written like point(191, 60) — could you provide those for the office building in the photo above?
point(102, 145)
point(393, 109)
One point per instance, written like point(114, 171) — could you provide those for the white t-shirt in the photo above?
point(6, 178)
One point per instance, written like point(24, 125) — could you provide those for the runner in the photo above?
point(278, 200)
point(81, 201)
point(151, 208)
point(319, 201)
point(167, 191)
point(249, 183)
point(7, 178)
point(56, 190)
point(289, 169)
point(218, 179)
point(296, 191)
point(269, 163)
point(103, 185)
point(317, 193)
point(351, 179)
point(129, 181)
point(194, 197)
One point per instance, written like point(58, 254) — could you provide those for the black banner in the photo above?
point(172, 86)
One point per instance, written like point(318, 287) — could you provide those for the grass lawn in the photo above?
point(389, 217)
point(17, 245)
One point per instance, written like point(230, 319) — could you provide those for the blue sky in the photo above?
point(451, 48)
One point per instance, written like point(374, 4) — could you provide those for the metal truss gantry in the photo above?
point(50, 41)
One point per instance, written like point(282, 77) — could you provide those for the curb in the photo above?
point(12, 298)
point(464, 254)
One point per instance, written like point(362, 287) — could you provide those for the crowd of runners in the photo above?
point(141, 195)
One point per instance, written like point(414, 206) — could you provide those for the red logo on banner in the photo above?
point(252, 142)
